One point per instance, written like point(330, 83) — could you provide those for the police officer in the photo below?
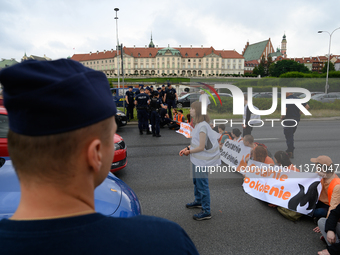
point(142, 101)
point(164, 117)
point(155, 105)
point(138, 91)
point(148, 92)
point(129, 100)
point(162, 93)
point(170, 98)
point(151, 90)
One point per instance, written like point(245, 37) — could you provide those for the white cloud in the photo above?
point(55, 27)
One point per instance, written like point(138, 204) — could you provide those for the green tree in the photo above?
point(331, 67)
point(284, 66)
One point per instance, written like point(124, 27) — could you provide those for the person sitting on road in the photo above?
point(248, 140)
point(236, 133)
point(62, 148)
point(180, 118)
point(330, 229)
point(282, 159)
point(224, 135)
point(215, 128)
point(329, 198)
point(330, 193)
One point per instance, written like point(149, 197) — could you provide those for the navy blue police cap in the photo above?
point(155, 93)
point(141, 85)
point(151, 87)
point(130, 87)
point(163, 85)
point(52, 97)
point(159, 89)
point(148, 88)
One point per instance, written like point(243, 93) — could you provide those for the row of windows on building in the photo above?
point(153, 60)
point(200, 72)
point(188, 66)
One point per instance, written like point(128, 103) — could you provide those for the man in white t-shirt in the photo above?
point(204, 98)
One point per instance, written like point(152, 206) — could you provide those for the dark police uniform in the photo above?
point(142, 114)
point(138, 91)
point(170, 100)
point(130, 105)
point(155, 106)
point(161, 95)
point(292, 112)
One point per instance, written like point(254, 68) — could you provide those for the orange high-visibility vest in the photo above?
point(324, 192)
point(180, 118)
point(334, 182)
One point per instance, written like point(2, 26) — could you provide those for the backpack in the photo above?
point(288, 214)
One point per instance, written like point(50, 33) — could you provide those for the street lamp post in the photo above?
point(329, 52)
point(116, 18)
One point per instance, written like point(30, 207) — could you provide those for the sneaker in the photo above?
point(202, 216)
point(158, 135)
point(193, 205)
point(290, 154)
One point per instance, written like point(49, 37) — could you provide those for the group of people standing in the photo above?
point(152, 106)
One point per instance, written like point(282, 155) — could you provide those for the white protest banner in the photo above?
point(185, 130)
point(279, 186)
point(235, 154)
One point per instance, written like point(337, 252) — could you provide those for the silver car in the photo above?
point(326, 98)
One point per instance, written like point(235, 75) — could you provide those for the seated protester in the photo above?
point(260, 154)
point(330, 193)
point(174, 120)
point(180, 118)
point(248, 140)
point(224, 135)
point(236, 133)
point(330, 229)
point(188, 118)
point(211, 123)
point(282, 159)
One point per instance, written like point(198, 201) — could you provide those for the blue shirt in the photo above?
point(94, 234)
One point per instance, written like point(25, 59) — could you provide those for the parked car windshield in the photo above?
point(184, 96)
point(3, 126)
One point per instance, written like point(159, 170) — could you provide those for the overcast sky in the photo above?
point(60, 28)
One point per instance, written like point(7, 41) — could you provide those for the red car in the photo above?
point(119, 160)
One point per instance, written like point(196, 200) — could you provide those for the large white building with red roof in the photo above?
point(157, 61)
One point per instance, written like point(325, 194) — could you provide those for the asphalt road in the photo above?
point(240, 224)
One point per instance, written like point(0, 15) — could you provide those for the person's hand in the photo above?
point(324, 252)
point(317, 230)
point(182, 152)
point(331, 237)
point(187, 152)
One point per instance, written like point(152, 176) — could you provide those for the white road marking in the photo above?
point(266, 139)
